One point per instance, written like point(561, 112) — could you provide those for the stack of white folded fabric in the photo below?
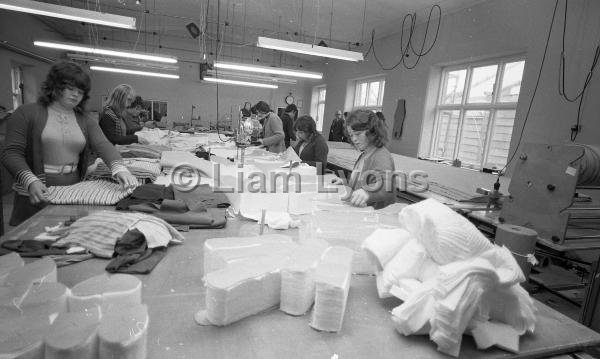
point(452, 280)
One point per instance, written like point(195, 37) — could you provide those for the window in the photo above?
point(317, 110)
point(475, 112)
point(369, 94)
point(17, 86)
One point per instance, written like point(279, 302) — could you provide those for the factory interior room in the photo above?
point(299, 179)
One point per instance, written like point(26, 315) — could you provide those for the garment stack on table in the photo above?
point(197, 208)
point(145, 169)
point(102, 317)
point(452, 280)
point(136, 150)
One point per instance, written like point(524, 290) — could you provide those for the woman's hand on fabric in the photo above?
point(359, 198)
point(38, 193)
point(126, 179)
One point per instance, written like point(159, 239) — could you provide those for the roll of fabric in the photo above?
point(520, 241)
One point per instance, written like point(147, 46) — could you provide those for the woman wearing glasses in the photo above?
point(49, 142)
point(372, 176)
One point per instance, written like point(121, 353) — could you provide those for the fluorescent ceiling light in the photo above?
point(122, 62)
point(248, 76)
point(107, 52)
point(269, 70)
point(69, 13)
point(133, 72)
point(241, 83)
point(308, 49)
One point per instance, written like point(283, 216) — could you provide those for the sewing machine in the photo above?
point(543, 195)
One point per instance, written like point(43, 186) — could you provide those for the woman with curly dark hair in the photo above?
point(49, 142)
point(311, 147)
point(112, 120)
point(372, 176)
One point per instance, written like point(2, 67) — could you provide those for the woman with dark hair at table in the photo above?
point(374, 168)
point(273, 136)
point(111, 119)
point(48, 143)
point(311, 147)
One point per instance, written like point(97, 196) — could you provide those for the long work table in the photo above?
point(174, 291)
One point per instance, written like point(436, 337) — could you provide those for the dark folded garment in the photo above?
point(133, 256)
point(32, 248)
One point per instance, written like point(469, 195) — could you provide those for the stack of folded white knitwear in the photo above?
point(249, 275)
point(452, 280)
point(101, 317)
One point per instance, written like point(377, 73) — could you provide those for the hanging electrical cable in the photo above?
point(404, 53)
point(537, 82)
point(561, 78)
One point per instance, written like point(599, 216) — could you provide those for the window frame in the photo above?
point(315, 103)
point(369, 81)
point(464, 106)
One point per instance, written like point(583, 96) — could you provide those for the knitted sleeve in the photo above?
point(111, 126)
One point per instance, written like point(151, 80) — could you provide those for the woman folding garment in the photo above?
point(372, 177)
point(311, 147)
point(49, 142)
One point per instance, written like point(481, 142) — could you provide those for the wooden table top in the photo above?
point(174, 292)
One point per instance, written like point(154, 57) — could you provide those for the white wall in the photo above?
point(490, 29)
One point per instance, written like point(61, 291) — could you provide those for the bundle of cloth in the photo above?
point(137, 150)
point(195, 208)
point(452, 280)
point(144, 169)
point(154, 136)
point(136, 242)
point(99, 192)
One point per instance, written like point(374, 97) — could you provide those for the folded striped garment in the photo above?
point(139, 150)
point(142, 168)
point(100, 231)
point(97, 192)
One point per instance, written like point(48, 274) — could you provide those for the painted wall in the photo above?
point(490, 29)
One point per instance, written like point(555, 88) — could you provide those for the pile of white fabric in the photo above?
point(452, 280)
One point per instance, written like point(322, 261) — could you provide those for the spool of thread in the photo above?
point(589, 165)
point(520, 241)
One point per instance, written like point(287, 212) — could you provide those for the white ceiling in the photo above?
point(163, 21)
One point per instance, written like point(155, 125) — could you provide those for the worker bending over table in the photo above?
point(311, 147)
point(49, 142)
point(273, 136)
point(112, 121)
point(374, 168)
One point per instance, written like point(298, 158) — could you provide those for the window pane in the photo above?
point(455, 86)
point(511, 81)
point(381, 90)
point(446, 135)
point(322, 93)
point(373, 94)
point(320, 114)
point(501, 135)
point(361, 95)
point(473, 137)
point(482, 84)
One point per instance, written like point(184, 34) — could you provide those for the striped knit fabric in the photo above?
point(100, 231)
point(97, 192)
point(142, 168)
point(138, 150)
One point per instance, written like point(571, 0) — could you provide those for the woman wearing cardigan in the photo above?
point(273, 136)
point(111, 120)
point(372, 176)
point(311, 147)
point(49, 142)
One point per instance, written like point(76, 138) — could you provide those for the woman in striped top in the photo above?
point(112, 121)
point(49, 142)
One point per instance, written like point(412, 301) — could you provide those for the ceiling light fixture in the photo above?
point(308, 49)
point(268, 70)
point(69, 13)
point(108, 52)
point(253, 77)
point(133, 72)
point(122, 62)
point(240, 83)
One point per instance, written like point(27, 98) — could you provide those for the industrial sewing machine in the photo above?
point(543, 195)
